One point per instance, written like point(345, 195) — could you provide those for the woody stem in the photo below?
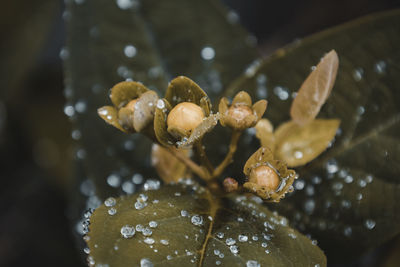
point(229, 156)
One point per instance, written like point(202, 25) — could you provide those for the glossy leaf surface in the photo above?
point(185, 226)
point(347, 197)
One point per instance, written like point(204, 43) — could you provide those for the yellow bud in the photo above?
point(239, 112)
point(265, 176)
point(184, 118)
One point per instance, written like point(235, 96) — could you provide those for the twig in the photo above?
point(229, 156)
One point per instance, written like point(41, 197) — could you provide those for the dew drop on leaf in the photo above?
point(197, 220)
point(127, 231)
point(252, 263)
point(370, 224)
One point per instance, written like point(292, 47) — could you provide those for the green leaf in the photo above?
point(151, 43)
point(351, 192)
point(186, 226)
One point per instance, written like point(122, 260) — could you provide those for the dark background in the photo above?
point(36, 148)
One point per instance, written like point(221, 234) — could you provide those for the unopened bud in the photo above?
point(230, 184)
point(184, 118)
point(265, 176)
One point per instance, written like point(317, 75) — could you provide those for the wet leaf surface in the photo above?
point(173, 227)
point(346, 198)
point(110, 41)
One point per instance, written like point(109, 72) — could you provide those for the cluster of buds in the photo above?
point(181, 119)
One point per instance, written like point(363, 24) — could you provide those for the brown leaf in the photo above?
point(299, 145)
point(315, 90)
point(169, 168)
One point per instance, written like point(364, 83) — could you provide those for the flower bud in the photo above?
point(184, 118)
point(265, 176)
point(230, 184)
point(239, 112)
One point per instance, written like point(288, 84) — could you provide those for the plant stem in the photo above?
point(189, 163)
point(229, 156)
point(201, 153)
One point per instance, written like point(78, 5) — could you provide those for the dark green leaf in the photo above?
point(351, 192)
point(189, 227)
point(150, 43)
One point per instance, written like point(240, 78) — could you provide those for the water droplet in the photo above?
point(299, 184)
point(197, 220)
point(76, 134)
point(153, 224)
point(64, 53)
point(316, 180)
point(128, 187)
point(232, 17)
point(207, 53)
point(184, 213)
point(234, 249)
point(112, 211)
point(243, 238)
point(151, 184)
point(140, 205)
point(216, 252)
point(127, 231)
point(69, 110)
point(331, 166)
point(127, 4)
point(348, 179)
point(86, 250)
point(220, 235)
point(362, 183)
point(80, 106)
point(252, 263)
point(110, 202)
point(149, 241)
point(370, 224)
point(147, 231)
point(139, 228)
point(358, 74)
point(347, 231)
point(164, 242)
point(130, 51)
point(309, 206)
point(114, 180)
point(298, 154)
point(146, 263)
point(281, 92)
point(218, 263)
point(380, 67)
point(230, 241)
point(137, 178)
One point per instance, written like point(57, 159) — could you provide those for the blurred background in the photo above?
point(37, 140)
